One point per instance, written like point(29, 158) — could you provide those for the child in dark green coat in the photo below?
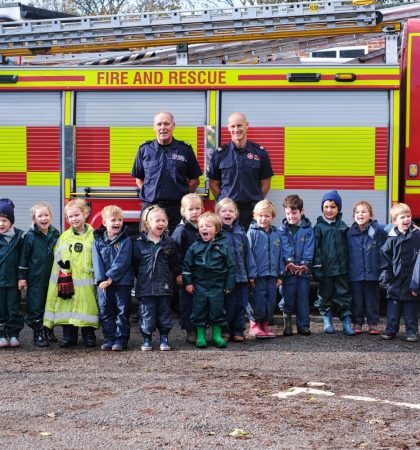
point(208, 274)
point(11, 321)
point(35, 263)
point(330, 264)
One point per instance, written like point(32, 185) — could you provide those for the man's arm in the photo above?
point(139, 183)
point(214, 186)
point(265, 186)
point(193, 184)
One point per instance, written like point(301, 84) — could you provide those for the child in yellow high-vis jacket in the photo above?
point(71, 299)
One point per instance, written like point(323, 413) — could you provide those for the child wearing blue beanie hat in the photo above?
point(330, 264)
point(11, 320)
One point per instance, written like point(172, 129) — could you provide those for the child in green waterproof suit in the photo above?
point(71, 298)
point(35, 263)
point(208, 274)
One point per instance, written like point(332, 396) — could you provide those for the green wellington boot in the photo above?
point(218, 341)
point(201, 338)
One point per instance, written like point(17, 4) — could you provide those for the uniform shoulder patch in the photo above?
point(185, 143)
point(223, 147)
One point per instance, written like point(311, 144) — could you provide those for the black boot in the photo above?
point(49, 333)
point(39, 337)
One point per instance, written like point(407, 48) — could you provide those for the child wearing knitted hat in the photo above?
point(11, 320)
point(330, 264)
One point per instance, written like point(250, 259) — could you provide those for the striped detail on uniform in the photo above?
point(77, 283)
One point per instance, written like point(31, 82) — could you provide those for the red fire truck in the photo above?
point(74, 131)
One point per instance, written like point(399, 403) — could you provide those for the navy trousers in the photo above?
point(235, 304)
point(155, 312)
point(295, 291)
point(365, 302)
point(114, 312)
point(263, 298)
point(396, 309)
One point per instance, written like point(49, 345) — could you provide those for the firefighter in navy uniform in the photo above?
point(240, 170)
point(165, 170)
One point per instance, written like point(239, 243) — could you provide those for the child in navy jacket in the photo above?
point(185, 235)
point(298, 251)
point(266, 270)
point(156, 264)
point(399, 255)
point(238, 298)
point(365, 239)
point(111, 254)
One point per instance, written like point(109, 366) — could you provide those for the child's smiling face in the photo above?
point(227, 214)
point(207, 230)
point(113, 225)
point(403, 222)
point(362, 216)
point(76, 219)
point(5, 225)
point(42, 218)
point(156, 223)
point(330, 210)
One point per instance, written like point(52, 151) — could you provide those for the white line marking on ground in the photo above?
point(302, 390)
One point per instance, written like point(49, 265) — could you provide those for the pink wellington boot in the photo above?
point(256, 330)
point(267, 331)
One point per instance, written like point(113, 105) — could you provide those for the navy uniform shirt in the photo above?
point(240, 171)
point(165, 170)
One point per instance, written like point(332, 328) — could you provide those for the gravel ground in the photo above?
point(209, 399)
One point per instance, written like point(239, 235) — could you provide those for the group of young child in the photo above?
point(83, 278)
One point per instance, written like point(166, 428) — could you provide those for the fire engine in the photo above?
point(74, 131)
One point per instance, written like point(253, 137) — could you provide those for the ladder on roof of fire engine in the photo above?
point(128, 31)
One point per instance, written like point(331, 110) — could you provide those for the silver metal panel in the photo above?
point(138, 108)
point(25, 196)
point(308, 109)
point(30, 108)
point(312, 203)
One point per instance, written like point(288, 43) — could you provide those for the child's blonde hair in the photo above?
point(187, 199)
point(77, 203)
point(148, 212)
point(227, 201)
point(111, 211)
point(399, 208)
point(364, 203)
point(212, 218)
point(39, 205)
point(265, 205)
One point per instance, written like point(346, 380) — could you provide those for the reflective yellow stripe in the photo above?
point(213, 108)
point(67, 316)
point(412, 190)
point(395, 148)
point(412, 182)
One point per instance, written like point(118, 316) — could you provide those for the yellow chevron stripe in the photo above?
point(13, 149)
point(93, 179)
point(43, 179)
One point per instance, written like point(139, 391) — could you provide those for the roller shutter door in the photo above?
point(110, 126)
point(30, 152)
point(320, 141)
